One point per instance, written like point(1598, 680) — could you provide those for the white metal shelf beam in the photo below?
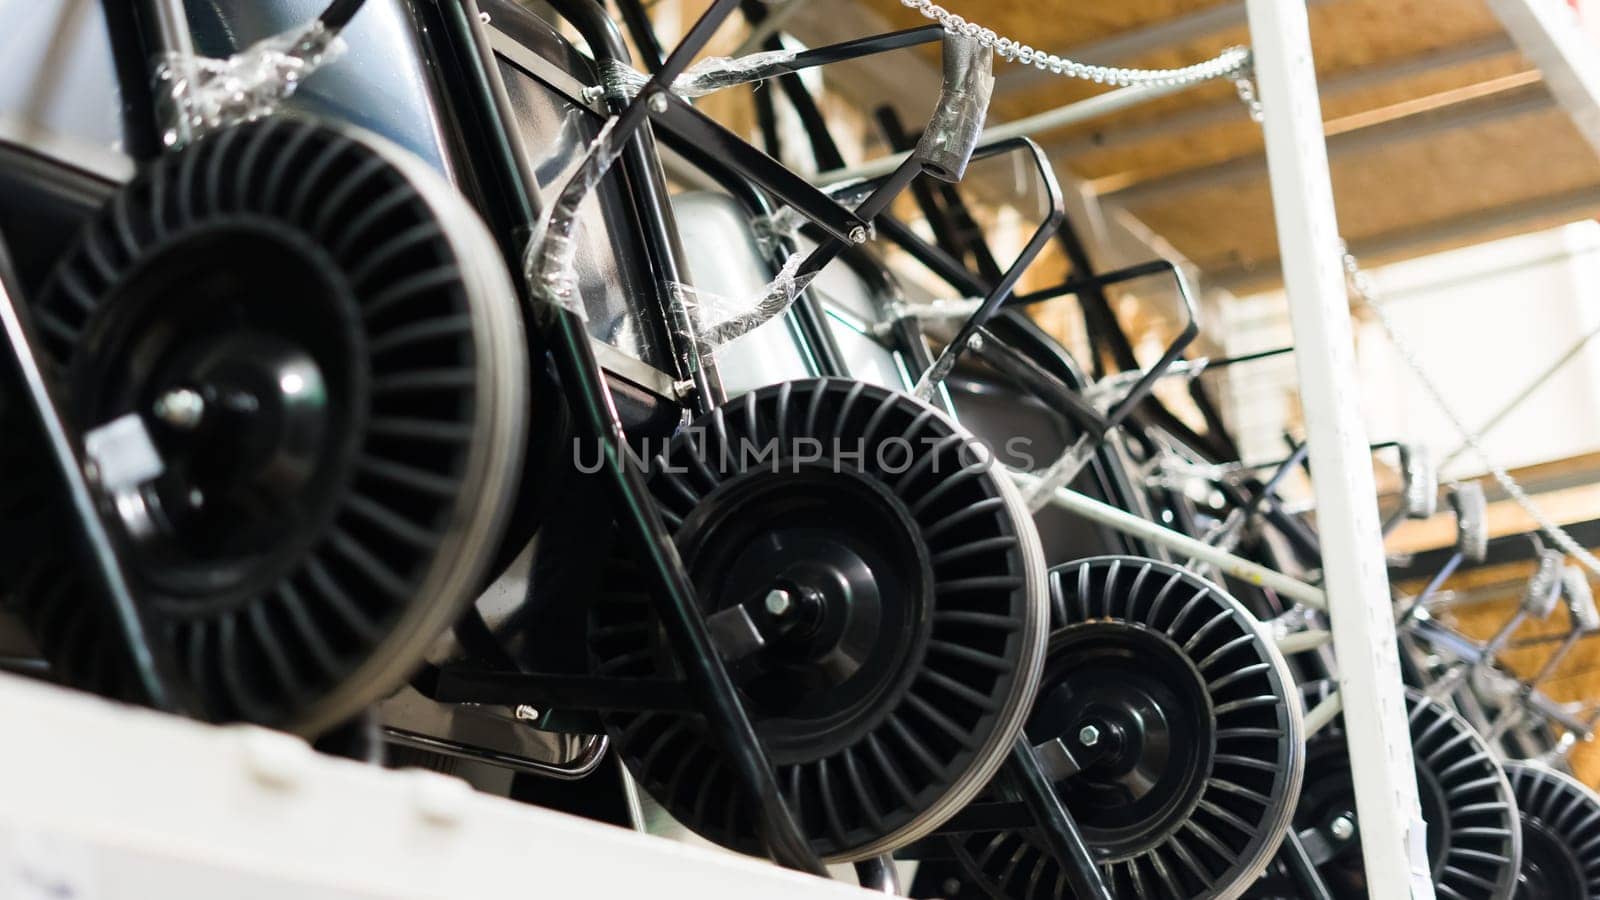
point(108, 802)
point(1393, 837)
point(1551, 37)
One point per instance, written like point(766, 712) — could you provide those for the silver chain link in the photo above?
point(1232, 62)
point(1235, 63)
point(1363, 289)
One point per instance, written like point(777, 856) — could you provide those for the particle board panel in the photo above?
point(1237, 135)
point(1407, 184)
point(1346, 35)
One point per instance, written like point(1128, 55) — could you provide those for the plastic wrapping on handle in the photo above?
point(785, 223)
point(199, 94)
point(939, 310)
point(1421, 482)
point(1580, 599)
point(725, 319)
point(1472, 521)
point(1544, 588)
point(618, 80)
point(952, 133)
point(550, 263)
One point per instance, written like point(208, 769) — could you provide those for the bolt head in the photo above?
point(180, 408)
point(526, 713)
point(975, 343)
point(1088, 735)
point(778, 602)
point(858, 235)
point(1342, 828)
point(658, 103)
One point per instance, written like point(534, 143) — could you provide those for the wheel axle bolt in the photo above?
point(1088, 735)
point(779, 603)
point(1342, 828)
point(180, 408)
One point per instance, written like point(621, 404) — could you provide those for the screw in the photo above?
point(526, 713)
point(1342, 828)
point(779, 602)
point(180, 408)
point(658, 103)
point(1088, 735)
point(483, 17)
point(975, 343)
point(858, 235)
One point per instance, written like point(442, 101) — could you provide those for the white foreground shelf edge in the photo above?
point(1393, 839)
point(1550, 35)
point(108, 802)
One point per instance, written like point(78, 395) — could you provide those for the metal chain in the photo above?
point(1235, 63)
point(1362, 287)
point(1232, 62)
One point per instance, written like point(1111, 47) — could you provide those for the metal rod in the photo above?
point(878, 875)
point(1000, 292)
point(1438, 581)
point(1301, 869)
point(104, 566)
point(867, 46)
point(770, 25)
point(644, 533)
point(1081, 282)
point(1183, 544)
point(560, 691)
point(1060, 833)
point(1049, 120)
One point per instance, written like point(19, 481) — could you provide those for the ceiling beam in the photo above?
point(1457, 231)
point(1478, 108)
point(1122, 47)
point(1116, 136)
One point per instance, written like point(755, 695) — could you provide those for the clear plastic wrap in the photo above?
point(709, 75)
point(784, 224)
point(721, 320)
point(550, 263)
point(938, 310)
point(952, 133)
point(200, 94)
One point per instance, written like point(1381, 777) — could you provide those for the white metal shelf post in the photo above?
point(1393, 840)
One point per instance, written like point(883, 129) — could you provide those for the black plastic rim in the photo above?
point(1131, 634)
point(348, 322)
point(885, 720)
point(1560, 833)
point(1474, 841)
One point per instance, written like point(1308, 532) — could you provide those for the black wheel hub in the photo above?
point(1166, 720)
point(880, 604)
point(1151, 733)
point(1560, 817)
point(1465, 800)
point(839, 545)
point(246, 380)
point(315, 332)
point(1549, 867)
